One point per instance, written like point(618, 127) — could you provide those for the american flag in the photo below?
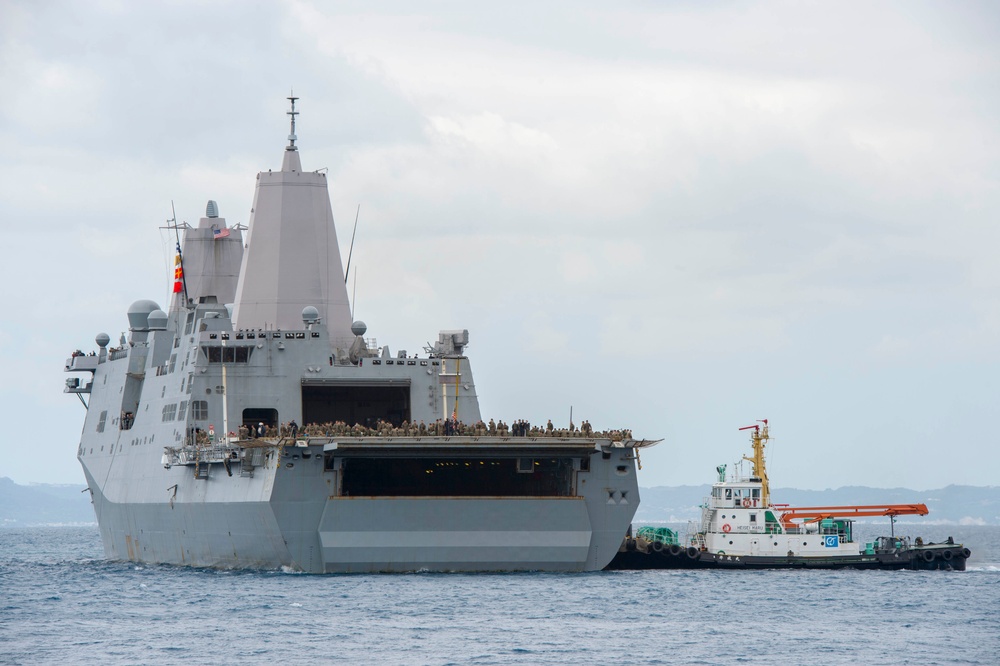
point(218, 233)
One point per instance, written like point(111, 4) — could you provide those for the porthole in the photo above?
point(805, 543)
point(730, 543)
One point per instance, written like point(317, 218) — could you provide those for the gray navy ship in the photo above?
point(253, 425)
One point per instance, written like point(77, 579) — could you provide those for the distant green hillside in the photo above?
point(43, 504)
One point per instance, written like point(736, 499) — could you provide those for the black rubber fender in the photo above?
point(675, 550)
point(966, 553)
point(657, 546)
point(928, 555)
point(692, 552)
point(947, 555)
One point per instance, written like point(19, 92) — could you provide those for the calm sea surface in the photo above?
point(60, 603)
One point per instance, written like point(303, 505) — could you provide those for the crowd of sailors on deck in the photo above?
point(440, 428)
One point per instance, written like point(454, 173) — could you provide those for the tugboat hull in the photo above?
point(941, 557)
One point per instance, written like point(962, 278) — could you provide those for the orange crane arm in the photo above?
point(814, 513)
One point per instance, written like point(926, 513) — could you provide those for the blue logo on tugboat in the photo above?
point(831, 541)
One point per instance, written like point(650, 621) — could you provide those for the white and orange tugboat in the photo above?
point(741, 528)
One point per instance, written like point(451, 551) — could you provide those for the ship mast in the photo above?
point(292, 113)
point(759, 440)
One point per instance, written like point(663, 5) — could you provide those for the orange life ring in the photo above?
point(726, 528)
point(746, 502)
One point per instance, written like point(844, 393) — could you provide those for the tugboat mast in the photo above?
point(759, 440)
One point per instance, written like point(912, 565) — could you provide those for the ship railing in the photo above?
point(194, 455)
point(892, 543)
point(116, 354)
point(82, 362)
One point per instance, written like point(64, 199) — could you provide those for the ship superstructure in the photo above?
point(254, 425)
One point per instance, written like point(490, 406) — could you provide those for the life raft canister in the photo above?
point(727, 528)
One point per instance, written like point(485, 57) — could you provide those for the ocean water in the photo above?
point(61, 603)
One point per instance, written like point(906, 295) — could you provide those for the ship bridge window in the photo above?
point(455, 477)
point(227, 354)
point(729, 493)
point(199, 410)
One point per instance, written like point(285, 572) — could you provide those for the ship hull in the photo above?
point(292, 515)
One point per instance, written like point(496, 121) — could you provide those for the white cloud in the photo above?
point(681, 216)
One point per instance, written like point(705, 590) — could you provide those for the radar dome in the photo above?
point(157, 320)
point(102, 340)
point(138, 314)
point(359, 328)
point(310, 314)
point(212, 209)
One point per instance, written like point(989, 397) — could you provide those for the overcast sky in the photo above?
point(673, 217)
